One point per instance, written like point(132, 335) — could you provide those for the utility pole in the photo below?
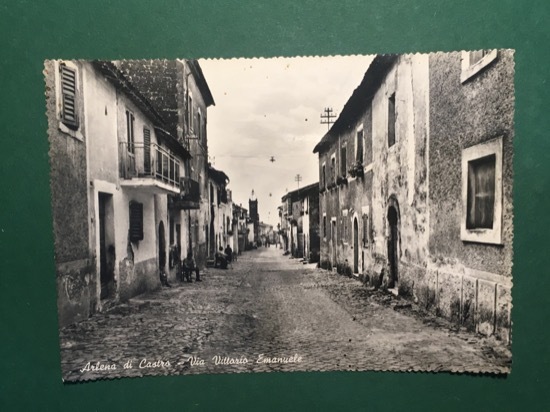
point(298, 179)
point(327, 117)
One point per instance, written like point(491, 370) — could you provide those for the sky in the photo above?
point(272, 107)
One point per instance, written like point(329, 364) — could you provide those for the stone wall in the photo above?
point(471, 281)
point(68, 183)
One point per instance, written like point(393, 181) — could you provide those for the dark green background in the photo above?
point(33, 31)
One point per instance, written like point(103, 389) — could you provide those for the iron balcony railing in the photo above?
point(142, 160)
point(189, 196)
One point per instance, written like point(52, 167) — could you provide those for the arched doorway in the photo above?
point(393, 242)
point(162, 247)
point(355, 246)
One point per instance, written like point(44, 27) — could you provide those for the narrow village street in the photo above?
point(268, 306)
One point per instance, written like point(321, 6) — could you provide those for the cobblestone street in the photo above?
point(269, 306)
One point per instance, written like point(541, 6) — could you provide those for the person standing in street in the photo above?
point(189, 266)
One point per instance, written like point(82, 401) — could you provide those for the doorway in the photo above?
point(393, 245)
point(333, 239)
point(106, 245)
point(162, 247)
point(355, 246)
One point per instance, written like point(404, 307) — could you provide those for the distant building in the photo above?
point(240, 215)
point(220, 210)
point(416, 184)
point(254, 216)
point(300, 222)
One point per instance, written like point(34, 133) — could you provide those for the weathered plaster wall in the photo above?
point(138, 261)
point(400, 170)
point(471, 282)
point(463, 115)
point(101, 120)
point(68, 183)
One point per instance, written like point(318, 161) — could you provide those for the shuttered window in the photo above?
point(359, 157)
point(365, 230)
point(130, 130)
point(147, 151)
point(481, 193)
point(69, 113)
point(391, 120)
point(136, 221)
point(190, 114)
point(343, 161)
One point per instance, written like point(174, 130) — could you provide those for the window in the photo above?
point(69, 108)
point(190, 114)
point(333, 168)
point(130, 131)
point(359, 147)
point(324, 226)
point(391, 120)
point(365, 230)
point(482, 192)
point(343, 161)
point(172, 231)
point(323, 177)
point(136, 221)
point(199, 126)
point(147, 150)
point(475, 61)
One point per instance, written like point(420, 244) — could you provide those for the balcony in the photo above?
point(189, 196)
point(149, 168)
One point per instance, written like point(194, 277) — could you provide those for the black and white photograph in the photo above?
point(338, 213)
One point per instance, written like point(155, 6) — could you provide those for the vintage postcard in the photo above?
point(343, 213)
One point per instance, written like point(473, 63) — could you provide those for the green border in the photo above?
point(30, 33)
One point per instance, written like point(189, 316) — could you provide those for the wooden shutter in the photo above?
point(391, 120)
point(147, 151)
point(136, 221)
point(69, 112)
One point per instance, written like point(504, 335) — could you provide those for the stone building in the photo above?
point(220, 211)
point(113, 163)
point(416, 184)
point(300, 210)
point(240, 216)
point(178, 90)
point(255, 217)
